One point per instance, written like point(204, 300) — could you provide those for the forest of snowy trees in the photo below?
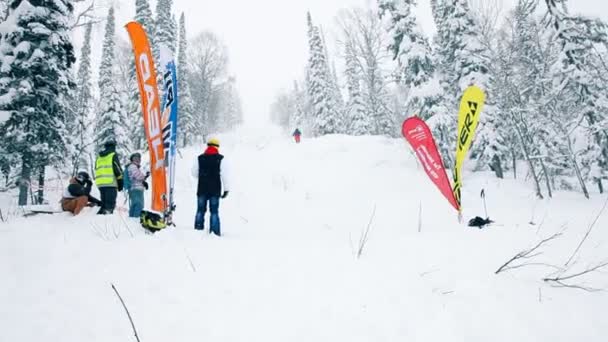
point(53, 115)
point(544, 71)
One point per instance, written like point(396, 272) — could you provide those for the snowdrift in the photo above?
point(291, 267)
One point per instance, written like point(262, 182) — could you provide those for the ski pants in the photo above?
point(136, 202)
point(214, 206)
point(74, 205)
point(297, 137)
point(108, 199)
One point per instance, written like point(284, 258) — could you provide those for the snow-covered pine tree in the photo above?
point(164, 31)
point(325, 118)
point(579, 72)
point(357, 121)
point(112, 121)
point(231, 106)
point(187, 127)
point(298, 119)
point(81, 108)
point(362, 29)
point(461, 62)
point(412, 50)
point(334, 84)
point(3, 9)
point(174, 34)
point(36, 55)
point(143, 15)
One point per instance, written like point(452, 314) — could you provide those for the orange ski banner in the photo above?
point(150, 103)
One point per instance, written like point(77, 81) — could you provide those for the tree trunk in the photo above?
point(514, 164)
point(577, 169)
point(40, 194)
point(524, 148)
point(497, 167)
point(24, 181)
point(547, 178)
point(600, 185)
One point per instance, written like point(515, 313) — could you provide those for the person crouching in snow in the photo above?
point(211, 171)
point(78, 194)
point(297, 134)
point(137, 185)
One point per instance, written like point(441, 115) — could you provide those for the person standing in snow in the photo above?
point(211, 171)
point(297, 134)
point(108, 177)
point(78, 194)
point(137, 185)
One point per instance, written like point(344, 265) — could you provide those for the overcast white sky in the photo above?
point(267, 38)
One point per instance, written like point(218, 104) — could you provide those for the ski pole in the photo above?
point(483, 196)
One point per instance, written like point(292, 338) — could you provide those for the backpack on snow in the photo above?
point(152, 221)
point(125, 179)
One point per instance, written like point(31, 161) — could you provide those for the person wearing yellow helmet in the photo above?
point(211, 171)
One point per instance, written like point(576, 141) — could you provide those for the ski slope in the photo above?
point(287, 269)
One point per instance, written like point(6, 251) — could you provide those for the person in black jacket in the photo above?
point(78, 194)
point(211, 171)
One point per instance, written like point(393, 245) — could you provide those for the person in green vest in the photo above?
point(108, 177)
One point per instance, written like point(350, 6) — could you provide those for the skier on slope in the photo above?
point(211, 171)
point(108, 177)
point(297, 134)
point(77, 195)
point(136, 185)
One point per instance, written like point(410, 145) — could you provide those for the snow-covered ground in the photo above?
point(286, 268)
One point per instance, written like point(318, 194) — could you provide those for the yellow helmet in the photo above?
point(213, 142)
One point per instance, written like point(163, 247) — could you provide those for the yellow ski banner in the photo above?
point(471, 106)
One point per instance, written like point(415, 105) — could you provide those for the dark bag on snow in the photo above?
point(479, 222)
point(152, 221)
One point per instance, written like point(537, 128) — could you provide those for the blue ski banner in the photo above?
point(169, 116)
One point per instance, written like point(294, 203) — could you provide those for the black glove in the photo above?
point(147, 174)
point(145, 185)
point(120, 185)
point(225, 194)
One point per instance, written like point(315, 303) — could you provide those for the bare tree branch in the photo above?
point(365, 235)
point(127, 310)
point(85, 16)
point(526, 255)
point(588, 232)
point(565, 280)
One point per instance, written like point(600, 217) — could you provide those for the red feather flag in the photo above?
point(418, 134)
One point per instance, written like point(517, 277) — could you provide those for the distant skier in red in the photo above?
point(297, 134)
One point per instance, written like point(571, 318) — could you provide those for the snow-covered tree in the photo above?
point(581, 72)
point(174, 34)
point(36, 55)
point(3, 9)
point(461, 61)
point(164, 29)
point(326, 119)
point(187, 128)
point(299, 118)
point(231, 112)
point(112, 123)
point(81, 108)
point(207, 71)
point(359, 123)
point(143, 15)
point(412, 50)
point(364, 38)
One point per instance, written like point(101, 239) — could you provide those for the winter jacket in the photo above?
point(75, 190)
point(136, 177)
point(117, 169)
point(297, 132)
point(212, 173)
